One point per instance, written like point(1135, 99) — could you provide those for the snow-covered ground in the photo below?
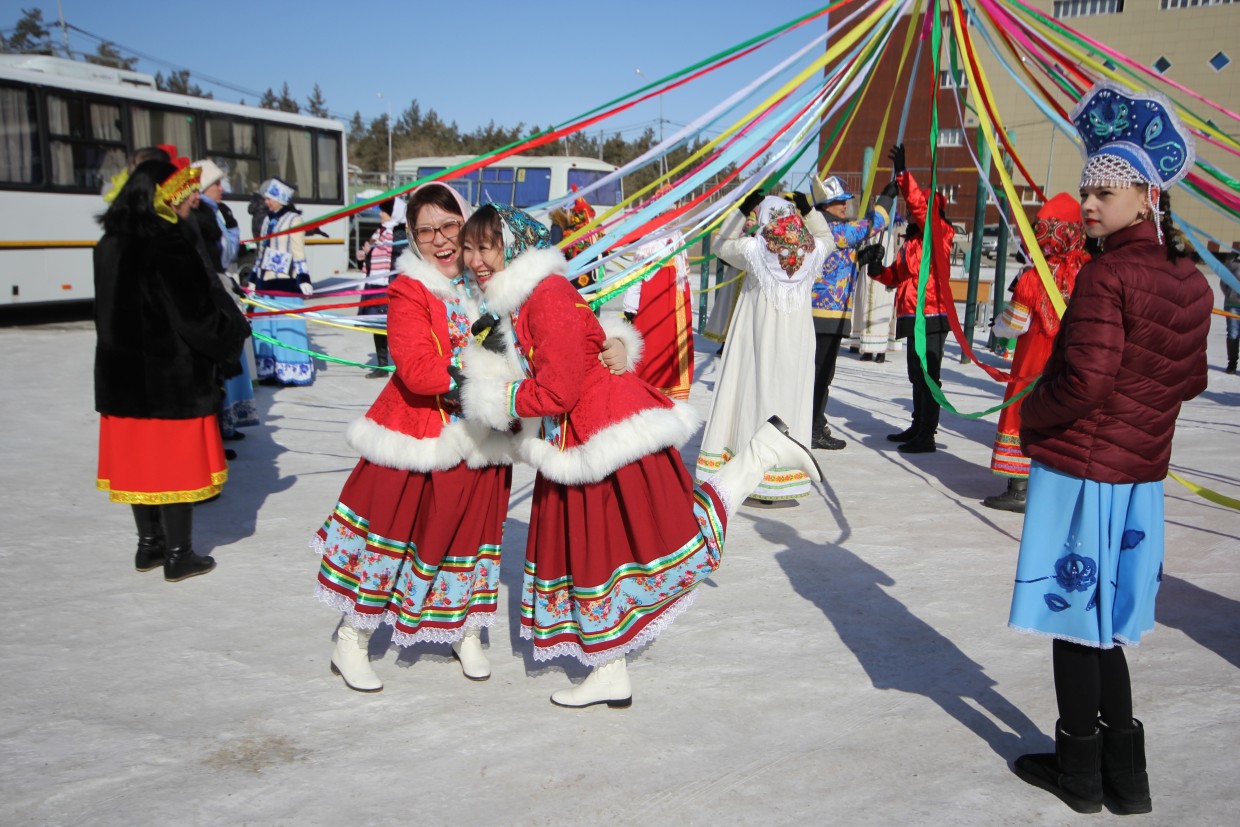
point(848, 664)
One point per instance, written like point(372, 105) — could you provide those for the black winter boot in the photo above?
point(905, 435)
point(1072, 771)
point(1233, 351)
point(921, 442)
point(181, 562)
point(1013, 499)
point(381, 360)
point(151, 546)
point(824, 441)
point(1123, 768)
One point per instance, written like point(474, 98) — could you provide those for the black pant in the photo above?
point(925, 406)
point(826, 352)
point(1090, 682)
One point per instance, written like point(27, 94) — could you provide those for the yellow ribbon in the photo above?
point(1206, 493)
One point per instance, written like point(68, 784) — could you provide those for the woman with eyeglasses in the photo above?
point(414, 540)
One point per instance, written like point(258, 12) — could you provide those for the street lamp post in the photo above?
point(662, 158)
point(390, 173)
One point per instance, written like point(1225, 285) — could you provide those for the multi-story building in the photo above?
point(1195, 43)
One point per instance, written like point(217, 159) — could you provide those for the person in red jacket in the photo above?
point(1098, 427)
point(918, 438)
point(619, 534)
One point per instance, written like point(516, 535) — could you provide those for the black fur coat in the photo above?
point(165, 328)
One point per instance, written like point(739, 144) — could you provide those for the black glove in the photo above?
point(629, 317)
point(452, 399)
point(897, 159)
point(802, 202)
point(488, 334)
point(891, 191)
point(751, 202)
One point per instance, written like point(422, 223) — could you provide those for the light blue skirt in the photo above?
point(286, 366)
point(1091, 557)
point(238, 410)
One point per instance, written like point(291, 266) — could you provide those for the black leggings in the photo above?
point(1090, 682)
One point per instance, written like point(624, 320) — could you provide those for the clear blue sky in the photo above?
point(537, 62)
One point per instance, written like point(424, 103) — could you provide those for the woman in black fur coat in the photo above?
point(166, 331)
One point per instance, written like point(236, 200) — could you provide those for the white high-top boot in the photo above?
point(771, 447)
point(468, 651)
point(351, 659)
point(606, 684)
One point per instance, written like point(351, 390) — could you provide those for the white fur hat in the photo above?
point(211, 173)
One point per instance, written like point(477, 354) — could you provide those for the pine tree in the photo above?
point(178, 82)
point(106, 54)
point(30, 35)
point(286, 102)
point(316, 104)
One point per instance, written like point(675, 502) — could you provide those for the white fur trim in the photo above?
point(477, 445)
point(509, 288)
point(423, 271)
point(615, 327)
point(484, 397)
point(611, 448)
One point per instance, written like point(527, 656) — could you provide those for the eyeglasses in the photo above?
point(449, 230)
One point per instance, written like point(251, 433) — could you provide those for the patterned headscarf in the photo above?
point(1061, 236)
point(521, 232)
point(786, 239)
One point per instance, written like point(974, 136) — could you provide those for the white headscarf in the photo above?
point(466, 211)
point(784, 257)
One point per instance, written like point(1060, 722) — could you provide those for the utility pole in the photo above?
point(390, 172)
point(975, 250)
point(64, 29)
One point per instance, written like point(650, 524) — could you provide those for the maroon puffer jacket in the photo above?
point(1130, 350)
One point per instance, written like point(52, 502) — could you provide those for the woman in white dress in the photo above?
point(768, 360)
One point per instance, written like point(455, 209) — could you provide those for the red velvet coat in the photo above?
point(1131, 349)
point(902, 273)
point(409, 427)
point(603, 421)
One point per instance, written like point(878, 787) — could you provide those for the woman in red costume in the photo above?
point(619, 534)
point(1031, 319)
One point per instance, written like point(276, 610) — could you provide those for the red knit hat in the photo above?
point(1062, 207)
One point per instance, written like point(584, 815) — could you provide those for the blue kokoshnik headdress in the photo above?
point(1131, 137)
point(521, 232)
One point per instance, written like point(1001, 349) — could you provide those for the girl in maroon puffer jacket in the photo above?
point(1098, 427)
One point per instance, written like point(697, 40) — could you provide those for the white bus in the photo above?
point(66, 127)
point(520, 180)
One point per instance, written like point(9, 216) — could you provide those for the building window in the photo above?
point(951, 137)
point(1085, 8)
point(949, 192)
point(1162, 65)
point(946, 81)
point(1188, 4)
point(1219, 61)
point(1029, 196)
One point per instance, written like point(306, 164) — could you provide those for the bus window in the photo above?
point(496, 185)
point(20, 159)
point(152, 127)
point(287, 152)
point(533, 186)
point(85, 142)
point(466, 185)
point(233, 145)
point(605, 196)
point(328, 147)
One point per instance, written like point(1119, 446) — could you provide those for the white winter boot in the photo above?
point(351, 659)
point(468, 651)
point(771, 447)
point(606, 684)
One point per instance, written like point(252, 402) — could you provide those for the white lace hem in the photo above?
point(725, 496)
point(370, 622)
point(1119, 640)
point(644, 638)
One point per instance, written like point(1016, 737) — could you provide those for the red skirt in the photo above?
point(160, 461)
point(610, 564)
point(664, 318)
point(1033, 348)
point(417, 550)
